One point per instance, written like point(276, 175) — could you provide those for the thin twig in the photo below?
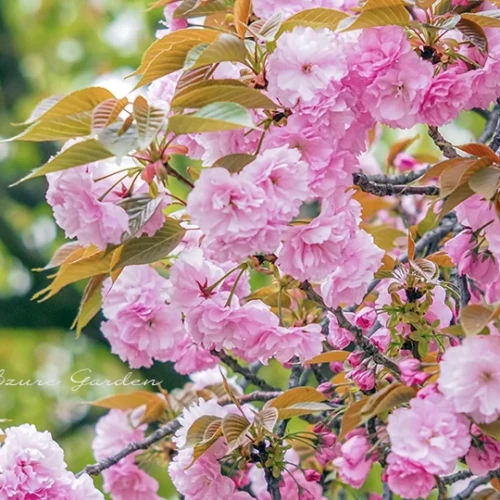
point(405, 178)
point(491, 125)
point(244, 371)
point(457, 476)
point(368, 186)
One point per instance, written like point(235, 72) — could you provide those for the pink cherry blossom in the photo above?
point(411, 373)
point(349, 282)
point(484, 456)
point(303, 64)
point(395, 96)
point(314, 250)
point(338, 338)
point(78, 210)
point(363, 377)
point(365, 318)
point(354, 464)
point(470, 377)
point(407, 478)
point(381, 339)
point(430, 434)
point(126, 481)
point(190, 357)
point(445, 98)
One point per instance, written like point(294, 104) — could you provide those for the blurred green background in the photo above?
point(52, 47)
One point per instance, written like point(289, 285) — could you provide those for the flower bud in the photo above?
point(365, 318)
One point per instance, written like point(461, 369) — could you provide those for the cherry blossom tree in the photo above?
point(238, 212)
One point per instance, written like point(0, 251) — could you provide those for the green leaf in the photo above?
point(76, 155)
point(377, 13)
point(106, 113)
point(196, 8)
point(212, 118)
point(314, 18)
point(149, 249)
point(242, 10)
point(73, 249)
point(72, 104)
point(485, 19)
point(140, 210)
point(195, 434)
point(168, 54)
point(90, 303)
point(352, 418)
point(458, 196)
point(212, 91)
point(149, 121)
point(266, 31)
point(226, 48)
point(473, 33)
point(329, 357)
point(234, 163)
point(298, 401)
point(267, 418)
point(66, 127)
point(485, 182)
point(234, 428)
point(118, 142)
point(391, 396)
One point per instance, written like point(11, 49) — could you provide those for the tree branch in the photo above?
point(467, 492)
point(378, 189)
point(360, 340)
point(445, 146)
point(163, 432)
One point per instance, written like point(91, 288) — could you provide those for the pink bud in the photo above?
point(355, 358)
point(336, 367)
point(381, 339)
point(405, 162)
point(148, 174)
point(312, 476)
point(320, 429)
point(364, 378)
point(329, 439)
point(365, 318)
point(325, 387)
point(410, 372)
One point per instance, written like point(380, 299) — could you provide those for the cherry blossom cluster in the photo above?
point(379, 324)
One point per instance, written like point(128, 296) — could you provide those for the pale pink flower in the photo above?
point(74, 198)
point(353, 463)
point(190, 276)
point(171, 23)
point(445, 98)
point(83, 489)
point(304, 63)
point(190, 357)
point(470, 377)
point(142, 332)
point(381, 339)
point(408, 478)
point(211, 324)
point(135, 284)
point(162, 90)
point(395, 96)
point(338, 338)
point(484, 454)
point(126, 481)
point(114, 432)
point(283, 177)
point(349, 282)
point(284, 344)
point(430, 434)
point(312, 251)
point(376, 51)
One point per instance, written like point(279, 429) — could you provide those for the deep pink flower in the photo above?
point(484, 455)
point(365, 318)
point(363, 377)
